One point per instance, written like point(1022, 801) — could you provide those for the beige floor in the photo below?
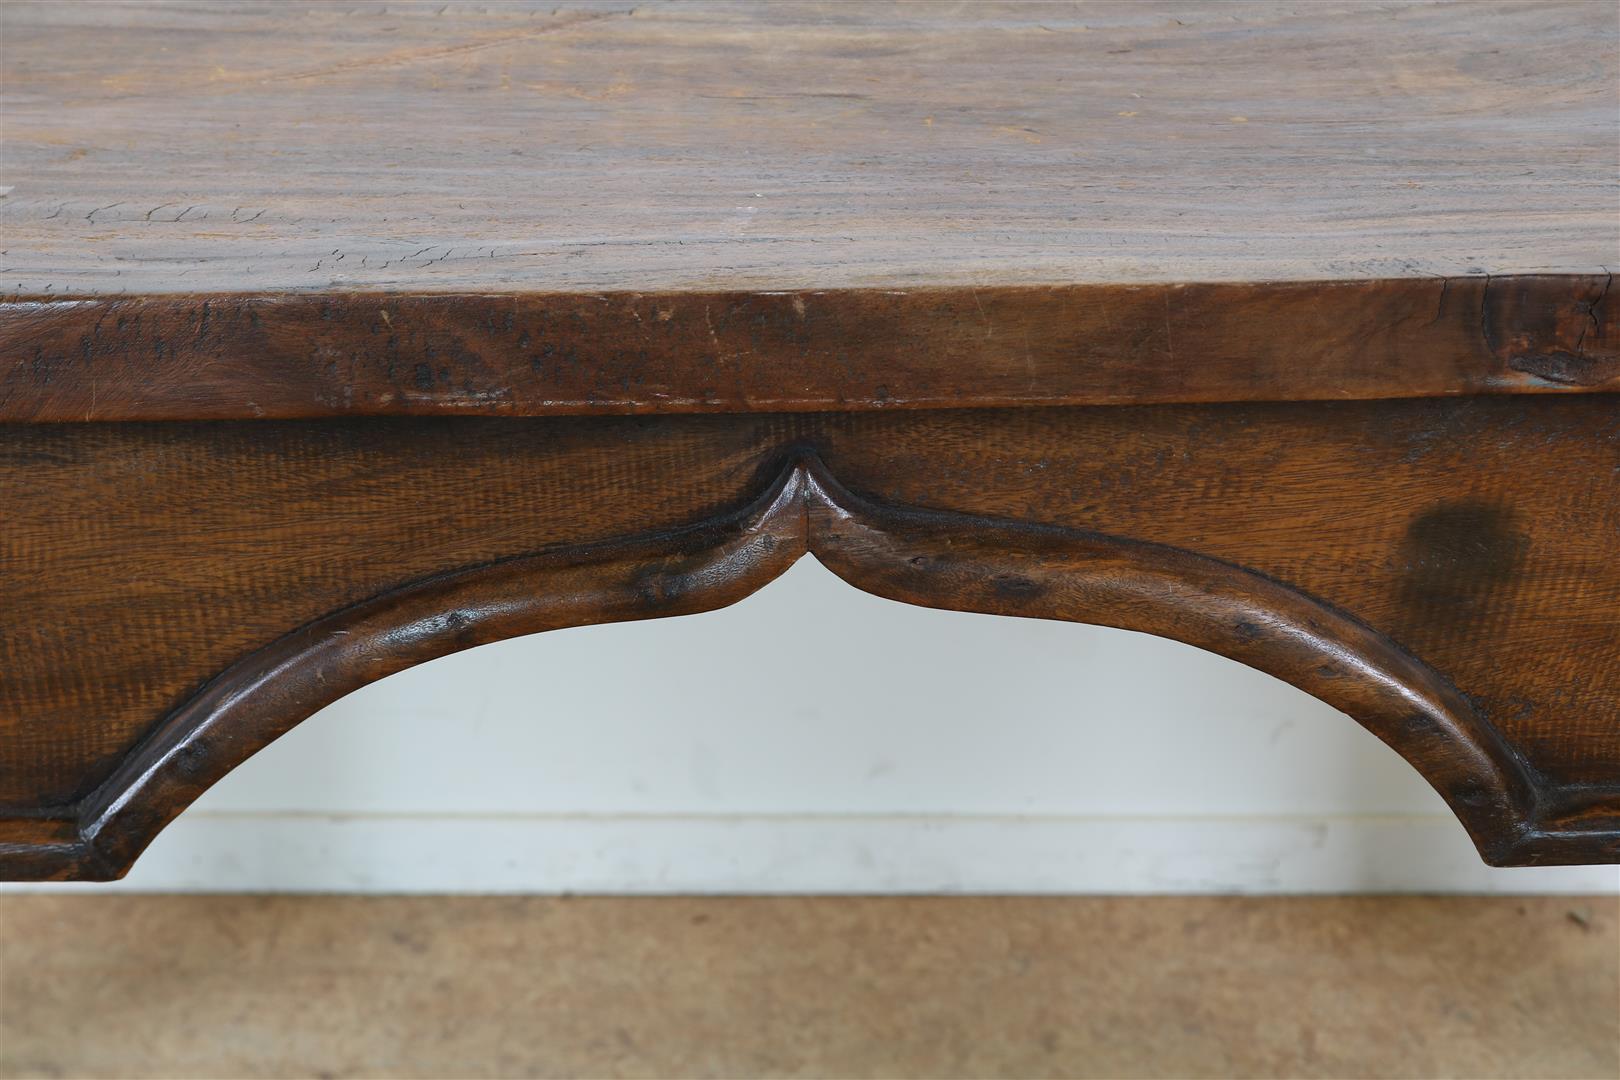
point(343, 986)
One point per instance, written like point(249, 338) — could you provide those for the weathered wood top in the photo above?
point(646, 146)
point(959, 204)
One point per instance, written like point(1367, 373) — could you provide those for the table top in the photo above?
point(648, 146)
point(1010, 188)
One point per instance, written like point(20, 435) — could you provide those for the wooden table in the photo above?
point(338, 337)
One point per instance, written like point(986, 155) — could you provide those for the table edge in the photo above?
point(206, 356)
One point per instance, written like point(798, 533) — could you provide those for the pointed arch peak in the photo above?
point(915, 555)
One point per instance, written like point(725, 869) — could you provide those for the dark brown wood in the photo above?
point(154, 570)
point(213, 356)
point(921, 557)
point(333, 338)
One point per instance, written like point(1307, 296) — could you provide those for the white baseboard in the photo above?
point(233, 852)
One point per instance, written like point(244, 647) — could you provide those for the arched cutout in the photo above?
point(927, 558)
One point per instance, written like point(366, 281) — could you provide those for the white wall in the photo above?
point(814, 738)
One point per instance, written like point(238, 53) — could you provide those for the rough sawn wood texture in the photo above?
point(229, 147)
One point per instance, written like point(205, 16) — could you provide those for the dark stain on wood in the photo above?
point(149, 558)
point(1462, 551)
point(924, 557)
point(1570, 341)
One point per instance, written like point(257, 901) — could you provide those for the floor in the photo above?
point(146, 986)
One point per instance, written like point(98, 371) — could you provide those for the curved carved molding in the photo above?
point(928, 558)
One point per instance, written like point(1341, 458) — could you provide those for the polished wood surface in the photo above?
point(651, 147)
point(1154, 375)
point(224, 356)
point(1406, 561)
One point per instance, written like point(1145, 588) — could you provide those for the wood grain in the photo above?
point(206, 356)
point(1324, 293)
point(940, 560)
point(594, 147)
point(1406, 561)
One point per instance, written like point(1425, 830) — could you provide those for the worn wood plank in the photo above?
point(527, 147)
point(201, 356)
